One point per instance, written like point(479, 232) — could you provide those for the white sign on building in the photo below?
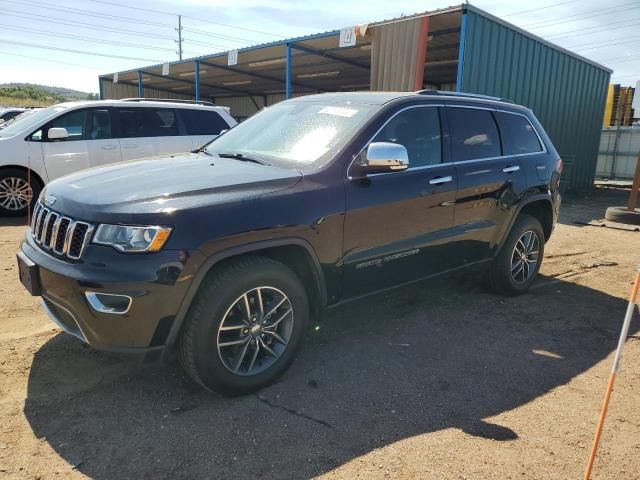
point(232, 58)
point(347, 37)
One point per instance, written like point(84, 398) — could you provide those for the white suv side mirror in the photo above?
point(57, 133)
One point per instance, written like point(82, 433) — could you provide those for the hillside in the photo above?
point(27, 94)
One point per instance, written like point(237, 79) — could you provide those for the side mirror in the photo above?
point(382, 157)
point(57, 133)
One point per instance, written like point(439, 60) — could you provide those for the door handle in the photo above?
point(440, 180)
point(109, 147)
point(129, 145)
point(515, 168)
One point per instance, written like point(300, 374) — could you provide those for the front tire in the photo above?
point(244, 326)
point(516, 266)
point(16, 194)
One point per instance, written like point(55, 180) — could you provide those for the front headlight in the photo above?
point(132, 239)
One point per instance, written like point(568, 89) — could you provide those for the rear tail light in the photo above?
point(559, 166)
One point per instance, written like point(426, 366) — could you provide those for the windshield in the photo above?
point(27, 120)
point(299, 134)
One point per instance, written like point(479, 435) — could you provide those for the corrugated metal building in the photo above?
point(460, 48)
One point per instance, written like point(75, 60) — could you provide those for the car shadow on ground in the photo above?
point(436, 355)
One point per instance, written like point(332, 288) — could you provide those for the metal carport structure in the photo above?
point(460, 48)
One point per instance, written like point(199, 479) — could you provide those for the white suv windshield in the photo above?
point(302, 134)
point(24, 122)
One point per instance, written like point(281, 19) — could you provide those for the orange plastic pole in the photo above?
point(614, 370)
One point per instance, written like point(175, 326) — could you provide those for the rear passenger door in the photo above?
point(202, 126)
point(149, 131)
point(103, 147)
point(490, 183)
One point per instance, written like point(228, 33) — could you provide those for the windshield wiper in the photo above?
point(242, 157)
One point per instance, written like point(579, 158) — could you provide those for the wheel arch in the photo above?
point(539, 206)
point(294, 252)
point(24, 169)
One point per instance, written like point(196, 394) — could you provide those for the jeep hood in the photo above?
point(162, 185)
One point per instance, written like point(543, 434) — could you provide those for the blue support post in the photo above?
point(197, 79)
point(463, 34)
point(140, 89)
point(287, 88)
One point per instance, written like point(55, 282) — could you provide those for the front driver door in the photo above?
point(397, 224)
point(68, 155)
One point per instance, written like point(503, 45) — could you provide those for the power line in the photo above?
point(580, 16)
point(83, 39)
point(537, 9)
point(91, 26)
point(217, 35)
point(191, 18)
point(43, 59)
point(78, 11)
point(590, 46)
point(587, 30)
point(81, 52)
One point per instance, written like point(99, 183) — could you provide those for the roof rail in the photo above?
point(168, 100)
point(463, 94)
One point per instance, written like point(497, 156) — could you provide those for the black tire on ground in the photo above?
point(501, 279)
point(198, 344)
point(622, 215)
point(13, 176)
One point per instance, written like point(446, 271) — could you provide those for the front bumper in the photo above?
point(156, 283)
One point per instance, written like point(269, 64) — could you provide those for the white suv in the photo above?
point(69, 137)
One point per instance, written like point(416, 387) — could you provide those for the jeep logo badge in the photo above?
point(49, 200)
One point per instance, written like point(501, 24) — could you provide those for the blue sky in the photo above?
point(27, 25)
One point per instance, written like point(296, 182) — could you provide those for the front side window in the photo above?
point(518, 135)
point(302, 134)
point(73, 122)
point(418, 129)
point(474, 134)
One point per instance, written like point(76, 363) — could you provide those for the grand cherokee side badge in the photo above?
point(49, 200)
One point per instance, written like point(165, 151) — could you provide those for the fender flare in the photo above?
point(217, 257)
point(521, 204)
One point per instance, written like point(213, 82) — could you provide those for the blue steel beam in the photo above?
point(463, 34)
point(322, 53)
point(288, 68)
point(259, 75)
point(191, 82)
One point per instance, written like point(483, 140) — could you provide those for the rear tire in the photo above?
point(229, 344)
point(16, 196)
point(516, 266)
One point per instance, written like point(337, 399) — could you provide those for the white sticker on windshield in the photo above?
point(339, 111)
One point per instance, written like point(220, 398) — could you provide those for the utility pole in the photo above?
point(179, 41)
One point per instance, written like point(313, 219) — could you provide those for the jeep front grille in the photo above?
point(61, 235)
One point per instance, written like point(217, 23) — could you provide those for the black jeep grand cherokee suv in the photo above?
point(225, 253)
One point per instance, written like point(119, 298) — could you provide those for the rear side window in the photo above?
point(148, 122)
point(474, 134)
point(98, 124)
point(418, 129)
point(518, 135)
point(203, 122)
point(131, 122)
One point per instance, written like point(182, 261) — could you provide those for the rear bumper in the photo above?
point(156, 283)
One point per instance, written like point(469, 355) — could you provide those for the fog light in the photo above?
point(109, 302)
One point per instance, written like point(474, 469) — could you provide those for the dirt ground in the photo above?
point(440, 380)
